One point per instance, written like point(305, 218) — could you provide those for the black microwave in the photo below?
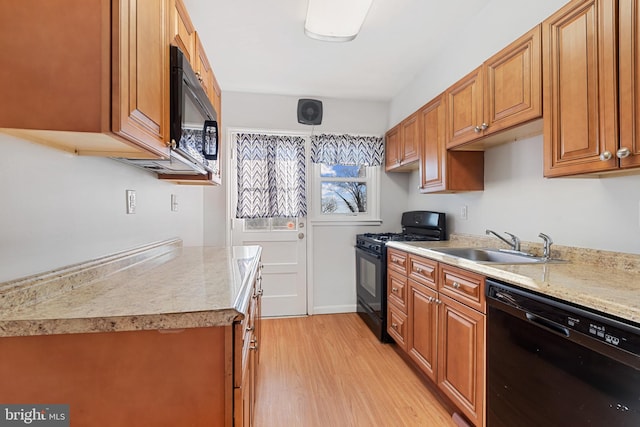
point(194, 126)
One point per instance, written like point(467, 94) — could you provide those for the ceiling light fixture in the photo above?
point(335, 20)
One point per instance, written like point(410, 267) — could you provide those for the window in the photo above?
point(270, 224)
point(346, 180)
point(345, 192)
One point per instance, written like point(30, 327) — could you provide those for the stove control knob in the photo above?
point(376, 247)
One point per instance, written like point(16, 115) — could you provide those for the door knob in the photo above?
point(300, 236)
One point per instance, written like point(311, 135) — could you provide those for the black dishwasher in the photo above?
point(550, 363)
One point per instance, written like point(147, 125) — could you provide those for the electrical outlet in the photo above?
point(464, 212)
point(174, 203)
point(131, 201)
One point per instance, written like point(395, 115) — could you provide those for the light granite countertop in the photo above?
point(158, 286)
point(603, 281)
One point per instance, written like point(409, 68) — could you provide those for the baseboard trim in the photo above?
point(333, 309)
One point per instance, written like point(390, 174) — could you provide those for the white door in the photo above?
point(284, 251)
point(284, 256)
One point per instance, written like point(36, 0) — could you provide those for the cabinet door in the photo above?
point(140, 92)
point(183, 34)
point(397, 290)
point(422, 327)
point(513, 84)
point(397, 325)
point(410, 139)
point(464, 109)
point(629, 63)
point(580, 92)
point(434, 154)
point(203, 70)
point(461, 357)
point(392, 148)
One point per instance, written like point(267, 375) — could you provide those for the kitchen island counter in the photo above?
point(600, 280)
point(154, 287)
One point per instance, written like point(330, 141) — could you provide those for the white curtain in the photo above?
point(347, 150)
point(271, 176)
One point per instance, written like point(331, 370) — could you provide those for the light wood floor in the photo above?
point(330, 370)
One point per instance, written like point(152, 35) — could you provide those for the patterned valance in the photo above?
point(347, 150)
point(271, 176)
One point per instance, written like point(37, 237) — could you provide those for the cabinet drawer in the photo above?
point(397, 260)
point(423, 270)
point(463, 286)
point(397, 325)
point(397, 290)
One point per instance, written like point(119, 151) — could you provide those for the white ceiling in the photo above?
point(259, 46)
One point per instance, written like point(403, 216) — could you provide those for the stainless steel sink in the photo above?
point(494, 256)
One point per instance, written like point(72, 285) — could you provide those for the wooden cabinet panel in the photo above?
point(463, 286)
point(397, 325)
point(140, 93)
point(422, 327)
point(410, 140)
point(442, 170)
point(402, 145)
point(464, 109)
point(397, 290)
point(423, 270)
point(580, 91)
point(629, 81)
point(183, 33)
point(397, 260)
point(461, 361)
point(392, 148)
point(513, 83)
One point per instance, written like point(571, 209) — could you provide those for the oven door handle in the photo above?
point(371, 254)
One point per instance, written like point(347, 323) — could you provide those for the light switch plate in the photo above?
point(131, 201)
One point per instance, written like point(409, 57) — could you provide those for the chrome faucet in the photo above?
point(547, 245)
point(514, 243)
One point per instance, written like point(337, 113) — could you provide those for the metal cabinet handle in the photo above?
point(623, 152)
point(419, 270)
point(605, 155)
point(394, 290)
point(250, 328)
point(430, 299)
point(456, 285)
point(484, 126)
point(394, 326)
point(437, 301)
point(477, 129)
point(255, 344)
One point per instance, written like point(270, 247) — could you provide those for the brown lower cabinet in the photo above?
point(443, 330)
point(201, 376)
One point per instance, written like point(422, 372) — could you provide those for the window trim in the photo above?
point(372, 217)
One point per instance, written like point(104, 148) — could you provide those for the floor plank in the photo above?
point(330, 370)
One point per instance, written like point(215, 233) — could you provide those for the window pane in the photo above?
point(343, 197)
point(284, 223)
point(256, 224)
point(342, 171)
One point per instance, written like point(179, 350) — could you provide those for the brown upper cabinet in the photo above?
point(183, 33)
point(443, 170)
point(591, 65)
point(90, 77)
point(502, 93)
point(403, 144)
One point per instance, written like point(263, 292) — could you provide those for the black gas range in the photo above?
point(371, 264)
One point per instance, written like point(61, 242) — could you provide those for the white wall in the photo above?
point(57, 209)
point(332, 272)
point(586, 212)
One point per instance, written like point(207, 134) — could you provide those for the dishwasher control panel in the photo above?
point(565, 317)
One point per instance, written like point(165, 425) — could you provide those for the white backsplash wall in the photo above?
point(594, 213)
point(57, 209)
